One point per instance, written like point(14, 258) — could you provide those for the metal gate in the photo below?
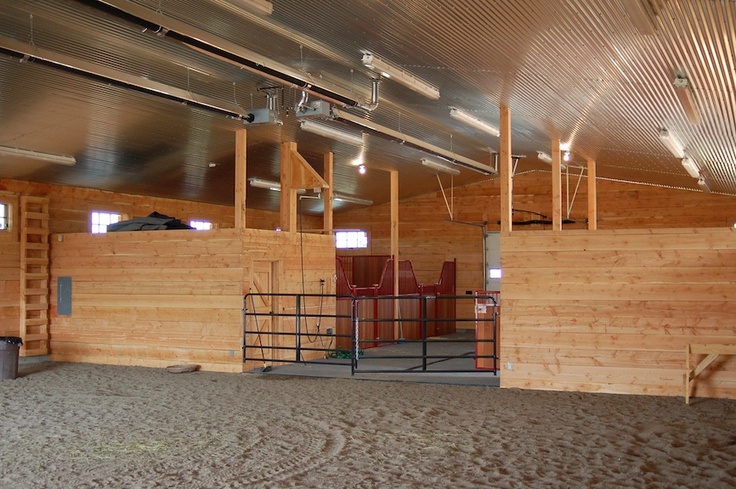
point(380, 334)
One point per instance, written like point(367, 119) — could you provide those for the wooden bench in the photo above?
point(711, 350)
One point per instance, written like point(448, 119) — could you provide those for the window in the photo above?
point(351, 239)
point(201, 225)
point(4, 218)
point(100, 220)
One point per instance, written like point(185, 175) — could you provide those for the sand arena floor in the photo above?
point(91, 426)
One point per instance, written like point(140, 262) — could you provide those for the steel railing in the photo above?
point(378, 334)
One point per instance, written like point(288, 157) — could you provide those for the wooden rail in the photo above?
point(711, 351)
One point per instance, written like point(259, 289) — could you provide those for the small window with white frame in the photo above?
point(200, 225)
point(351, 239)
point(99, 221)
point(4, 216)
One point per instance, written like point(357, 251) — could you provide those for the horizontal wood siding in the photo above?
point(70, 207)
point(9, 288)
point(169, 297)
point(612, 311)
point(427, 238)
point(150, 298)
point(10, 271)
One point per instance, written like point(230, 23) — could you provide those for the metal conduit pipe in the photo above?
point(216, 47)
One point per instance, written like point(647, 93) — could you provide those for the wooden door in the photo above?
point(261, 304)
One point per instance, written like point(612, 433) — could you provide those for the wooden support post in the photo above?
point(556, 186)
point(240, 177)
point(288, 193)
point(505, 169)
point(328, 193)
point(395, 244)
point(592, 197)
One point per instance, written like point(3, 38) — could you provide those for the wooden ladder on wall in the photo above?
point(34, 275)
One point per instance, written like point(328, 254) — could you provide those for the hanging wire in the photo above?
point(235, 96)
point(32, 43)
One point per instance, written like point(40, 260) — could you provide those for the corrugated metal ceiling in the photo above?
point(128, 89)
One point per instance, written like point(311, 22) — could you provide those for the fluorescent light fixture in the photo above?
point(672, 143)
point(268, 184)
point(400, 75)
point(691, 167)
point(687, 100)
point(332, 132)
point(544, 157)
point(548, 159)
point(37, 155)
point(351, 199)
point(414, 142)
point(639, 16)
point(440, 166)
point(473, 121)
point(262, 7)
point(257, 182)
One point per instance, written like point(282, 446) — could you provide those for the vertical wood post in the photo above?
point(240, 177)
point(556, 186)
point(592, 197)
point(505, 169)
point(329, 161)
point(288, 194)
point(395, 244)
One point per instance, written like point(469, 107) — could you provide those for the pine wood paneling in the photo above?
point(165, 297)
point(70, 207)
point(612, 311)
point(10, 271)
point(9, 288)
point(427, 239)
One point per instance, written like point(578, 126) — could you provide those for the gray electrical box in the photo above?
point(64, 296)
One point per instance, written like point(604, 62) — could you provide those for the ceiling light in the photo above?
point(268, 184)
point(361, 169)
point(470, 120)
point(687, 100)
point(691, 167)
point(257, 182)
point(548, 159)
point(37, 155)
point(412, 141)
point(671, 143)
point(566, 156)
point(440, 166)
point(351, 199)
point(638, 15)
point(332, 132)
point(360, 159)
point(398, 74)
point(544, 157)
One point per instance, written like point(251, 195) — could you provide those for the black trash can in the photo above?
point(9, 347)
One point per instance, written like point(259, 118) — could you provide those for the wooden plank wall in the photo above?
point(150, 298)
point(427, 239)
point(169, 297)
point(10, 271)
point(612, 311)
point(70, 207)
point(305, 264)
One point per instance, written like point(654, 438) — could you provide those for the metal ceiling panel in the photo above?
point(145, 94)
